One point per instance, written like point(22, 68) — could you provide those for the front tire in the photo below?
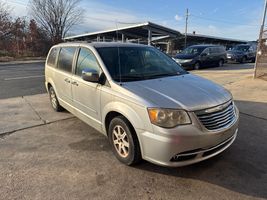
point(220, 63)
point(197, 66)
point(243, 59)
point(124, 142)
point(54, 101)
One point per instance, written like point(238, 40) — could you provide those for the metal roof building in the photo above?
point(150, 33)
point(140, 33)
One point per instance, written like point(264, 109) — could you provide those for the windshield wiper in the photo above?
point(129, 77)
point(144, 77)
point(163, 75)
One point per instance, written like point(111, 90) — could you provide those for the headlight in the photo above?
point(168, 118)
point(185, 61)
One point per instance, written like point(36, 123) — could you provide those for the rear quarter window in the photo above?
point(51, 60)
point(65, 58)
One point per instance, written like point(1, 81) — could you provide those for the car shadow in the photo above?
point(241, 168)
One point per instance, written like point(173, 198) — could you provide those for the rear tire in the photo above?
point(123, 141)
point(54, 101)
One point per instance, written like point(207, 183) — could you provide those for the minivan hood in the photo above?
point(185, 56)
point(188, 92)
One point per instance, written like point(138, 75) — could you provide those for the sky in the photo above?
point(237, 19)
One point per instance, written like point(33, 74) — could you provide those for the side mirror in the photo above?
point(90, 75)
point(204, 54)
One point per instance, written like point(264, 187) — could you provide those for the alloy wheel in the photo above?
point(120, 141)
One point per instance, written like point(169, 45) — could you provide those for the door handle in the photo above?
point(74, 83)
point(67, 80)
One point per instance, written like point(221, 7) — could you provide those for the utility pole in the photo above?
point(186, 23)
point(259, 49)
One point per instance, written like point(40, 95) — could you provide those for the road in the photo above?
point(21, 79)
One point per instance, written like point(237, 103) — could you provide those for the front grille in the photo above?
point(218, 117)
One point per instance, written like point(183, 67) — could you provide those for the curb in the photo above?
point(21, 62)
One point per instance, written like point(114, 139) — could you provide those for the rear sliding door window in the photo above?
point(51, 61)
point(65, 58)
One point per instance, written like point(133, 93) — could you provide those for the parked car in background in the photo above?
point(200, 56)
point(142, 101)
point(242, 53)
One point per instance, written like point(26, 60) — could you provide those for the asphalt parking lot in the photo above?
point(21, 79)
point(48, 155)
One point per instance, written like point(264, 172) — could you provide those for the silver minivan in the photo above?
point(143, 101)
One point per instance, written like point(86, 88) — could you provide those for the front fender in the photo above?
point(126, 111)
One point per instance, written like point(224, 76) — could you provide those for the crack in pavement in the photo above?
point(262, 118)
point(39, 116)
point(3, 135)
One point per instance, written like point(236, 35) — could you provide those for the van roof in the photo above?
point(205, 45)
point(101, 44)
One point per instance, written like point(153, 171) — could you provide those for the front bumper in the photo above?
point(187, 144)
point(188, 65)
point(234, 58)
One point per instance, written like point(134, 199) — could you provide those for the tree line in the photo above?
point(49, 22)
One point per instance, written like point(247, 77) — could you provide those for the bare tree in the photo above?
point(56, 17)
point(5, 20)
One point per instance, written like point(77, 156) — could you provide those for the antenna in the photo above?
point(119, 57)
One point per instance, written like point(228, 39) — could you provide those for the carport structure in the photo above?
point(193, 39)
point(139, 33)
point(167, 39)
point(227, 42)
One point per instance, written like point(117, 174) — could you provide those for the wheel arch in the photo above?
point(114, 109)
point(49, 83)
point(118, 109)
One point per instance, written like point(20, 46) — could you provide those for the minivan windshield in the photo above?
point(138, 63)
point(244, 48)
point(193, 50)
